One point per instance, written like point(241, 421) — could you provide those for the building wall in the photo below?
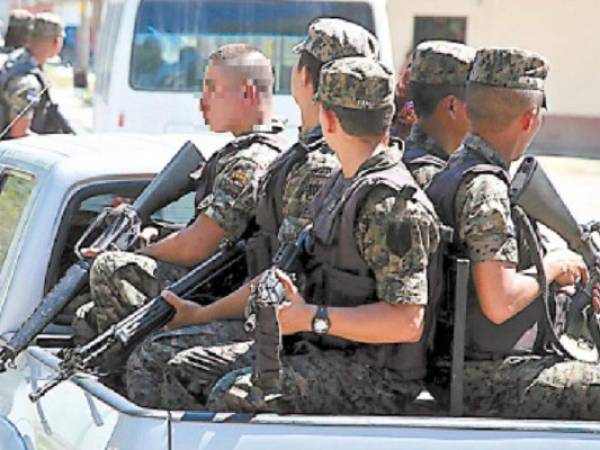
point(565, 31)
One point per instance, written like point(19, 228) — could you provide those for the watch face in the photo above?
point(321, 326)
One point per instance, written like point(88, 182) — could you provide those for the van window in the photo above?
point(15, 190)
point(173, 38)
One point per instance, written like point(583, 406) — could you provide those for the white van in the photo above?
point(151, 54)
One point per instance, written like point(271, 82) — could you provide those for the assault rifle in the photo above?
point(151, 316)
point(532, 190)
point(264, 301)
point(118, 229)
point(53, 121)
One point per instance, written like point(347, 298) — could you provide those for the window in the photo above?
point(173, 38)
point(15, 190)
point(88, 203)
point(447, 28)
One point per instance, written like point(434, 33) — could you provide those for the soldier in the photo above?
point(285, 194)
point(362, 325)
point(237, 98)
point(20, 26)
point(509, 370)
point(438, 76)
point(26, 103)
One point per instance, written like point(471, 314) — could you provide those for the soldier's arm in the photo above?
point(396, 240)
point(224, 214)
point(189, 313)
point(190, 245)
point(21, 95)
point(485, 225)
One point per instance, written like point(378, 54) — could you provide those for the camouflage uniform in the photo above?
point(419, 138)
point(303, 182)
point(435, 64)
point(322, 375)
point(120, 282)
point(312, 163)
point(524, 384)
point(327, 39)
point(26, 94)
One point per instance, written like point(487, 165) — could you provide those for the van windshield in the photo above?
point(173, 38)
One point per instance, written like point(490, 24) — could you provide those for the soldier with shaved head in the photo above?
point(236, 98)
point(512, 367)
point(285, 194)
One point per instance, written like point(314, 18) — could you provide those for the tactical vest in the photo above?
point(485, 339)
point(415, 157)
point(206, 175)
point(263, 245)
point(20, 62)
point(337, 275)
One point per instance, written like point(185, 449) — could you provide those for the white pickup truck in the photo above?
point(50, 189)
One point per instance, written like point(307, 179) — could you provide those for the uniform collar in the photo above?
point(311, 135)
point(275, 126)
point(382, 158)
point(418, 137)
point(475, 143)
point(30, 55)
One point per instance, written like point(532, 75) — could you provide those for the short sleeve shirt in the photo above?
point(21, 93)
point(303, 182)
point(232, 201)
point(396, 237)
point(484, 221)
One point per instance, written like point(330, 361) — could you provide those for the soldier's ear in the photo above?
point(329, 121)
point(305, 77)
point(250, 91)
point(528, 118)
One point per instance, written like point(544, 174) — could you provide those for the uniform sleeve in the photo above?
point(19, 93)
point(396, 238)
point(423, 174)
point(302, 185)
point(232, 202)
point(484, 220)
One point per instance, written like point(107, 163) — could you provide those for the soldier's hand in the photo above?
point(295, 316)
point(186, 312)
point(566, 268)
point(90, 252)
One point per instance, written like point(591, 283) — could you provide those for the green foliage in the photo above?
point(13, 200)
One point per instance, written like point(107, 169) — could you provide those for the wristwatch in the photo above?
point(321, 322)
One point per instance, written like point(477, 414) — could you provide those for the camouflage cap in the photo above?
point(20, 18)
point(442, 62)
point(47, 25)
point(356, 83)
point(329, 38)
point(512, 68)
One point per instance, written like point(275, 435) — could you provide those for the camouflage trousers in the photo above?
point(120, 282)
point(541, 387)
point(177, 369)
point(210, 367)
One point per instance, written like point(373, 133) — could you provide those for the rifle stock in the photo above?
point(154, 314)
point(118, 233)
point(262, 319)
point(532, 190)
